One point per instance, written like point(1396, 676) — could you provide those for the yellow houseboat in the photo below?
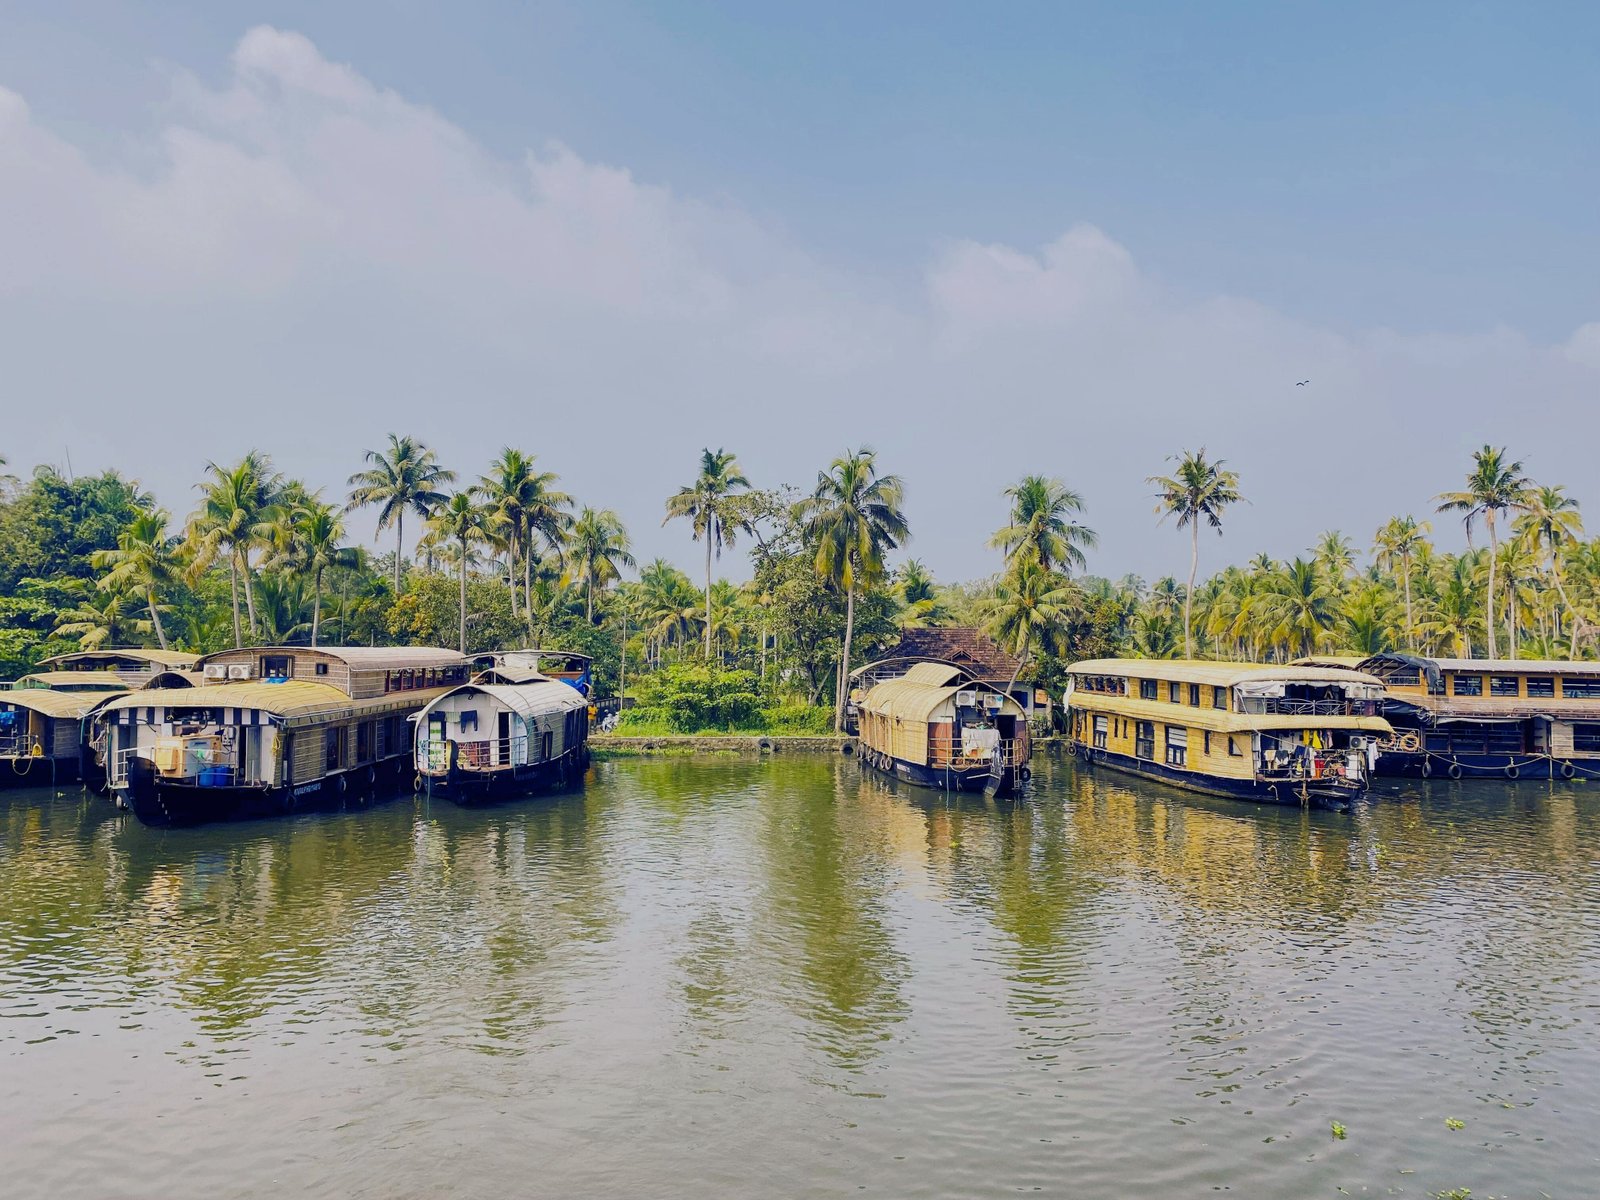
point(45, 723)
point(271, 730)
point(939, 727)
point(1281, 734)
point(1493, 718)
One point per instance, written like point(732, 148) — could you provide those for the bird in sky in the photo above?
point(1302, 383)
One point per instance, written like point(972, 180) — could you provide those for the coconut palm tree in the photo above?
point(1041, 529)
point(598, 550)
point(1300, 606)
point(238, 507)
point(1032, 606)
point(1494, 486)
point(1336, 556)
point(144, 562)
point(405, 477)
point(523, 507)
point(1551, 520)
point(465, 522)
point(1397, 544)
point(1199, 490)
point(852, 517)
point(1452, 617)
point(318, 534)
point(101, 617)
point(713, 513)
point(919, 597)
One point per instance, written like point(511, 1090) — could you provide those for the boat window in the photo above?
point(1580, 689)
point(1144, 745)
point(1219, 697)
point(1194, 695)
point(1207, 735)
point(1100, 732)
point(1586, 737)
point(1233, 748)
point(1504, 685)
point(1149, 690)
point(1467, 685)
point(1177, 745)
point(277, 666)
point(1174, 691)
point(1541, 687)
point(330, 747)
point(322, 668)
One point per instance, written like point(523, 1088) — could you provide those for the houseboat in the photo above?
point(1280, 734)
point(495, 737)
point(271, 730)
point(45, 729)
point(135, 667)
point(937, 726)
point(1489, 718)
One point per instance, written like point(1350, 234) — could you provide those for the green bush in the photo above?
point(797, 718)
point(699, 699)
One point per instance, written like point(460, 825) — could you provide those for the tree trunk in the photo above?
point(710, 533)
point(233, 586)
point(844, 658)
point(527, 586)
point(316, 604)
point(463, 595)
point(1405, 573)
point(155, 619)
point(1494, 547)
point(249, 592)
point(399, 546)
point(1188, 596)
point(588, 600)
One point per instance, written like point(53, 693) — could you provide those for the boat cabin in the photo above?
point(487, 737)
point(517, 666)
point(132, 665)
point(937, 726)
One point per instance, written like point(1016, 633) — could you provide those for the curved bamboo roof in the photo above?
point(359, 658)
point(294, 701)
point(74, 681)
point(1218, 674)
point(915, 695)
point(527, 700)
point(1488, 666)
point(1220, 720)
point(49, 703)
point(181, 659)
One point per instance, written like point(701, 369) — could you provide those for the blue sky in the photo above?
point(1400, 198)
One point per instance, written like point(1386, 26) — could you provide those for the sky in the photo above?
point(988, 241)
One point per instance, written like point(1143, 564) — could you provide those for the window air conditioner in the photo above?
point(242, 671)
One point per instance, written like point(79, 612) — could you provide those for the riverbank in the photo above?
point(603, 745)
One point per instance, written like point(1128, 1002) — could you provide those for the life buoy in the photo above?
point(1410, 741)
point(1512, 771)
point(1567, 769)
point(1453, 770)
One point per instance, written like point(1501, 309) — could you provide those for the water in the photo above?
point(709, 978)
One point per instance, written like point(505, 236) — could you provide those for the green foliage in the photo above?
point(689, 698)
point(49, 530)
point(1339, 1131)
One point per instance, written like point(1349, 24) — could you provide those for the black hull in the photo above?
point(42, 772)
point(945, 779)
point(1311, 793)
point(1422, 765)
point(163, 804)
point(475, 789)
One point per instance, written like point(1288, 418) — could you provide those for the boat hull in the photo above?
point(474, 789)
point(1316, 793)
point(1420, 764)
point(28, 771)
point(944, 779)
point(163, 803)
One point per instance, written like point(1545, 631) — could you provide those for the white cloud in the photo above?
point(304, 261)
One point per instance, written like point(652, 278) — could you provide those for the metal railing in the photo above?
point(1319, 764)
point(491, 754)
point(117, 765)
point(1281, 706)
point(21, 745)
point(947, 752)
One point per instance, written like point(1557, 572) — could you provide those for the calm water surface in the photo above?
point(710, 978)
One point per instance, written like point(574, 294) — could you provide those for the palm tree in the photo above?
point(1397, 544)
point(1032, 605)
point(1199, 490)
point(523, 506)
point(318, 544)
point(852, 518)
point(463, 521)
point(1551, 520)
point(1299, 606)
point(405, 476)
point(101, 618)
point(1040, 528)
point(599, 548)
point(238, 506)
point(1494, 486)
point(919, 597)
point(144, 561)
point(1336, 556)
point(712, 511)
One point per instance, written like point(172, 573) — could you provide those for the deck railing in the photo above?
point(18, 745)
point(1319, 764)
point(491, 754)
point(1282, 706)
point(947, 752)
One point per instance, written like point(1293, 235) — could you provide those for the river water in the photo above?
point(729, 978)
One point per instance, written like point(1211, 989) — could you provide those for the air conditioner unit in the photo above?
point(993, 701)
point(242, 671)
point(1358, 743)
point(967, 699)
point(216, 671)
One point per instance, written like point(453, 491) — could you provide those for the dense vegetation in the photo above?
point(507, 559)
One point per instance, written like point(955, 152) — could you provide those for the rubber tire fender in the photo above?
point(1427, 768)
point(1024, 774)
point(1453, 770)
point(1567, 769)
